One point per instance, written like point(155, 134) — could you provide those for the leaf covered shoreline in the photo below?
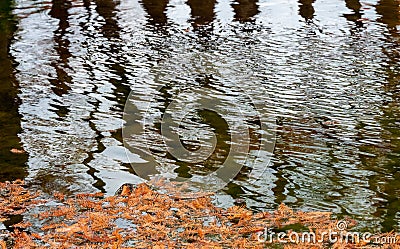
point(141, 217)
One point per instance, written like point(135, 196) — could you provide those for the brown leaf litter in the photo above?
point(141, 217)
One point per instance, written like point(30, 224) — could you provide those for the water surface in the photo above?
point(327, 71)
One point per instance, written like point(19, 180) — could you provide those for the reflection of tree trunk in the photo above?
point(116, 65)
point(245, 10)
point(202, 11)
point(355, 6)
point(389, 12)
point(156, 11)
point(387, 162)
point(59, 10)
point(111, 29)
point(107, 9)
point(12, 166)
point(306, 10)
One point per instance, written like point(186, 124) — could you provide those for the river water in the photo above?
point(325, 71)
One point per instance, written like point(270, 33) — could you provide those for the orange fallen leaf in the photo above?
point(17, 151)
point(125, 191)
point(70, 229)
point(23, 224)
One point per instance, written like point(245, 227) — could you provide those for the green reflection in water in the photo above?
point(12, 166)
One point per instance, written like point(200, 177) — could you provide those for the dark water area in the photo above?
point(326, 71)
point(12, 166)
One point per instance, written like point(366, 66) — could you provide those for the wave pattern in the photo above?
point(327, 72)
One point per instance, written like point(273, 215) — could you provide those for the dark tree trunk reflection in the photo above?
point(12, 166)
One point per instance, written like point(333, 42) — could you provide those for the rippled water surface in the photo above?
point(326, 72)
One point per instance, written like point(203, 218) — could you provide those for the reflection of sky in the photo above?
point(179, 13)
point(224, 12)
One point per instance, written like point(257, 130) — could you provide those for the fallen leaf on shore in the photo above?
point(142, 217)
point(75, 228)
